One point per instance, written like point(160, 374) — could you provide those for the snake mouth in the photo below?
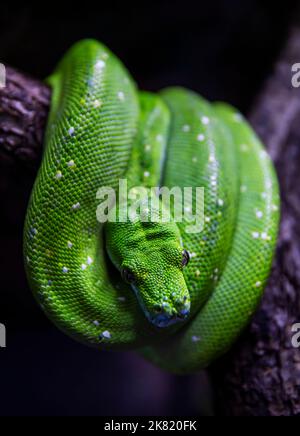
point(163, 320)
point(162, 315)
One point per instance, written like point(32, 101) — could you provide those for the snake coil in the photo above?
point(101, 130)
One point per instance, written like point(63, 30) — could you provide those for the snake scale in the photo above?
point(181, 298)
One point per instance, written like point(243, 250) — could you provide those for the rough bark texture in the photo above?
point(24, 104)
point(261, 376)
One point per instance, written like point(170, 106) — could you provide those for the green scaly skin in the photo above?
point(100, 130)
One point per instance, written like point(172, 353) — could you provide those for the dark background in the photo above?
point(222, 49)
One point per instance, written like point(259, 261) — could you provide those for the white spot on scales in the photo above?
point(201, 137)
point(205, 120)
point(237, 117)
point(106, 335)
point(33, 231)
point(76, 206)
point(265, 236)
point(58, 175)
point(71, 164)
point(88, 263)
point(100, 65)
point(97, 104)
point(121, 96)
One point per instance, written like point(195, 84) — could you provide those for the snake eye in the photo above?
point(127, 275)
point(185, 258)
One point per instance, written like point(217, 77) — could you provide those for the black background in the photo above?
point(222, 49)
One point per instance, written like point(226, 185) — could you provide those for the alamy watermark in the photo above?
point(156, 204)
point(2, 76)
point(296, 337)
point(295, 75)
point(2, 336)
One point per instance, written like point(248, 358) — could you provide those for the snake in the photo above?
point(181, 298)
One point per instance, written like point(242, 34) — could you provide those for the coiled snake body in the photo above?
point(100, 130)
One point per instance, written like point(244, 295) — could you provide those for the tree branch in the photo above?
point(261, 375)
point(24, 105)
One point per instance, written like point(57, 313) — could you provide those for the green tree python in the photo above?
point(182, 298)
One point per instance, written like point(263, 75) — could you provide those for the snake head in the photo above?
point(158, 283)
point(151, 259)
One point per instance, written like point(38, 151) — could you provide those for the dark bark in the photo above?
point(261, 375)
point(24, 104)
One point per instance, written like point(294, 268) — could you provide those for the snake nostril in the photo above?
point(167, 313)
point(182, 304)
point(183, 307)
point(184, 313)
point(158, 308)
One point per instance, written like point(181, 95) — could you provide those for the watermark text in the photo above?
point(296, 75)
point(155, 204)
point(2, 336)
point(2, 76)
point(296, 336)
